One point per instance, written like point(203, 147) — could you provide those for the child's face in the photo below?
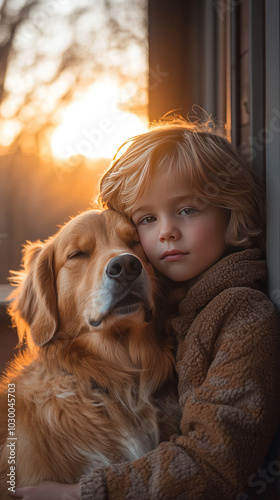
point(180, 238)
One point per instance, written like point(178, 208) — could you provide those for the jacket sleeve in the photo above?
point(229, 379)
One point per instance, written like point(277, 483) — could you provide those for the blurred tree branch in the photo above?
point(11, 23)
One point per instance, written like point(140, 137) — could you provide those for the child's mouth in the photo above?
point(173, 255)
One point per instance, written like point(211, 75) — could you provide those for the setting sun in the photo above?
point(94, 125)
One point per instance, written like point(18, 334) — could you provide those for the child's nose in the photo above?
point(169, 231)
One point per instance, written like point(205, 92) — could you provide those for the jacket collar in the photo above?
point(240, 269)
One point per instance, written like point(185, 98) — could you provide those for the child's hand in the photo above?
point(49, 490)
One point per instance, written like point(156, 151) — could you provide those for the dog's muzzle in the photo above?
point(124, 270)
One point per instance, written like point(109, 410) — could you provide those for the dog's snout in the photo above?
point(124, 268)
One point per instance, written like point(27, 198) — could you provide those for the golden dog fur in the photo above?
point(91, 383)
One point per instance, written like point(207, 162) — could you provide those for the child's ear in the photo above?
point(33, 303)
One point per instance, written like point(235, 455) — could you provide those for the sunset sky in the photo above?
point(95, 125)
point(76, 82)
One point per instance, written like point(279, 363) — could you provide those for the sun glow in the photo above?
point(95, 126)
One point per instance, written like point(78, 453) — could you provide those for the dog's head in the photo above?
point(91, 276)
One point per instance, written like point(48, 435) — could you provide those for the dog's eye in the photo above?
point(77, 254)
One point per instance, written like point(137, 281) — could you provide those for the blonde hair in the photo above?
point(215, 171)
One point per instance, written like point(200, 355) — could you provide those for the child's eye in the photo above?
point(188, 211)
point(147, 220)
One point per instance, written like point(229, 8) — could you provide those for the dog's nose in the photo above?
point(124, 268)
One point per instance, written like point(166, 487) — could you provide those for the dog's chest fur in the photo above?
point(88, 425)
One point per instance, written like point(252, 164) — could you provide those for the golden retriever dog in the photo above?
point(91, 386)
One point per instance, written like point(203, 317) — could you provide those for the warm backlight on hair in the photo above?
point(94, 126)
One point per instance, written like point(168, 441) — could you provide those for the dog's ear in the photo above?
point(33, 303)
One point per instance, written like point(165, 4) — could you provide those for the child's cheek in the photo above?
point(207, 236)
point(200, 234)
point(147, 243)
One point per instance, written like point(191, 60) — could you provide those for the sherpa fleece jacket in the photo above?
point(228, 364)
